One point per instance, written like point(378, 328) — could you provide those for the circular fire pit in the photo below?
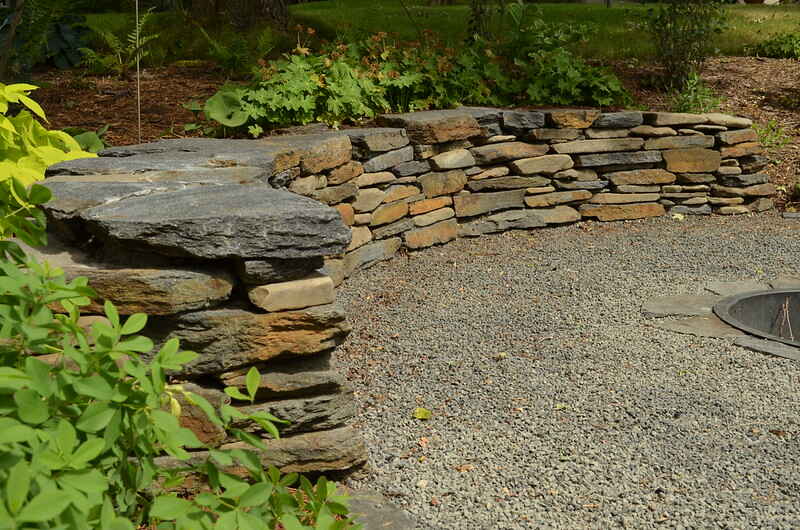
point(772, 314)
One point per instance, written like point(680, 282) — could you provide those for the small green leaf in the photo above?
point(65, 438)
point(44, 507)
point(422, 413)
point(138, 343)
point(112, 314)
point(31, 408)
point(235, 393)
point(95, 417)
point(12, 431)
point(170, 507)
point(87, 451)
point(18, 485)
point(253, 380)
point(134, 324)
point(256, 495)
point(87, 481)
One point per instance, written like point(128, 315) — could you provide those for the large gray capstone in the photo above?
point(225, 221)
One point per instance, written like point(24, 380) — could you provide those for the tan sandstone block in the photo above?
point(431, 235)
point(314, 290)
point(559, 197)
point(427, 205)
point(347, 213)
point(389, 212)
point(692, 160)
point(623, 211)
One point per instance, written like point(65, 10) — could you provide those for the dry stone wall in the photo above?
point(235, 246)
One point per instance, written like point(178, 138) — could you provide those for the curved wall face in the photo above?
point(232, 247)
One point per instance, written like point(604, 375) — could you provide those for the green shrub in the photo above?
point(359, 80)
point(781, 46)
point(695, 97)
point(683, 32)
point(771, 135)
point(80, 434)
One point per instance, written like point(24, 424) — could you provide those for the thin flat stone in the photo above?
point(770, 347)
point(680, 305)
point(785, 281)
point(700, 326)
point(373, 511)
point(734, 288)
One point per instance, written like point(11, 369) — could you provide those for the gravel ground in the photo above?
point(554, 404)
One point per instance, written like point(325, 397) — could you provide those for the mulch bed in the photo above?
point(761, 89)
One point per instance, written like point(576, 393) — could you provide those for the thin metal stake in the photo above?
point(138, 80)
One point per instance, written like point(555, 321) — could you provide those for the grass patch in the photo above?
point(618, 35)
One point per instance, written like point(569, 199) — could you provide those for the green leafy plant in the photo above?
point(771, 135)
point(91, 141)
point(682, 31)
point(695, 97)
point(124, 51)
point(780, 46)
point(358, 80)
point(86, 412)
point(27, 149)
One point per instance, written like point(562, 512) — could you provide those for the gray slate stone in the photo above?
point(581, 184)
point(770, 347)
point(387, 160)
point(618, 159)
point(414, 167)
point(744, 180)
point(618, 120)
point(260, 272)
point(703, 209)
point(734, 288)
point(753, 163)
point(699, 326)
point(680, 305)
point(520, 122)
point(367, 142)
point(254, 222)
point(374, 512)
point(786, 281)
point(507, 183)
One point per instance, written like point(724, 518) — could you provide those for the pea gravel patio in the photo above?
point(555, 403)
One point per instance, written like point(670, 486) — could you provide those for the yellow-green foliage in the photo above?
point(27, 149)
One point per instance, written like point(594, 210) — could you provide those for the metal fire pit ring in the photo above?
point(773, 314)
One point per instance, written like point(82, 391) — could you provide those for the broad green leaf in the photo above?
point(95, 417)
point(39, 372)
point(13, 378)
point(12, 431)
point(235, 393)
point(18, 485)
point(256, 495)
point(165, 421)
point(65, 437)
point(226, 521)
point(421, 413)
point(170, 507)
point(134, 324)
point(86, 452)
point(94, 386)
point(39, 194)
point(88, 480)
point(253, 380)
point(32, 409)
point(138, 343)
point(290, 522)
point(44, 507)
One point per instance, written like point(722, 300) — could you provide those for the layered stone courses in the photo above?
point(243, 267)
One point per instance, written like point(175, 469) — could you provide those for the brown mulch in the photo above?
point(761, 89)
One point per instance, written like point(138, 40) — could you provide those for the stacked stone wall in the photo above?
point(236, 246)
